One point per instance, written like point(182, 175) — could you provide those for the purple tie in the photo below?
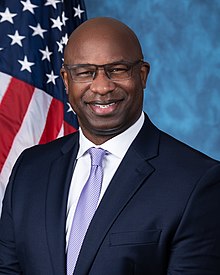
point(86, 207)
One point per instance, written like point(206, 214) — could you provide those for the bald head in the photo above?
point(100, 36)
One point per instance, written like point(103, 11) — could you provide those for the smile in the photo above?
point(104, 106)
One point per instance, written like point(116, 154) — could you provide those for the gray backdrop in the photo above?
point(181, 41)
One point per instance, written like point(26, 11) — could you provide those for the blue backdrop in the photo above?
point(181, 41)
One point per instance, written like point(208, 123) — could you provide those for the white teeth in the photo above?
point(104, 106)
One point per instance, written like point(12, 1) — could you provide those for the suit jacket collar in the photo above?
point(60, 175)
point(125, 183)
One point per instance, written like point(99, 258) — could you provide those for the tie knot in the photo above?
point(97, 155)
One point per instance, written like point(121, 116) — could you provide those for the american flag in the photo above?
point(33, 103)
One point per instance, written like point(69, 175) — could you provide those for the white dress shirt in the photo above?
point(117, 148)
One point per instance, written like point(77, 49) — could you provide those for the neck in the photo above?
point(98, 139)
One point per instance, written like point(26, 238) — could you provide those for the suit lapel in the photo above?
point(59, 180)
point(131, 174)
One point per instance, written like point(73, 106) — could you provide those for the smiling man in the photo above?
point(120, 196)
point(105, 75)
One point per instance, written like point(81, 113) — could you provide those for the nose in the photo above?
point(101, 83)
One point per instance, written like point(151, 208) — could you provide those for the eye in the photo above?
point(84, 72)
point(117, 69)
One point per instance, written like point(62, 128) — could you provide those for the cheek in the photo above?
point(136, 94)
point(75, 93)
point(128, 86)
point(132, 88)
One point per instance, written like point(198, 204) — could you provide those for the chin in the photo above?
point(108, 131)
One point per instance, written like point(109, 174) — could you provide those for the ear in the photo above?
point(145, 69)
point(64, 76)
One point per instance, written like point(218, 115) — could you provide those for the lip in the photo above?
point(104, 108)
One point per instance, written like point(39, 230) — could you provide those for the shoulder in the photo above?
point(180, 152)
point(49, 151)
point(54, 145)
point(172, 154)
point(185, 165)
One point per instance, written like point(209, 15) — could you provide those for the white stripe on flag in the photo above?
point(61, 133)
point(28, 135)
point(4, 82)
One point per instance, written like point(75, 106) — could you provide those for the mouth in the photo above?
point(104, 108)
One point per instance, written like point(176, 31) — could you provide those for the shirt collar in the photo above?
point(117, 145)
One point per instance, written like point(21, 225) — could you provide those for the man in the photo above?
point(157, 210)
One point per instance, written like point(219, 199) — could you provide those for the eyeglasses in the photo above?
point(115, 71)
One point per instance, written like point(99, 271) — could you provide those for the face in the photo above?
point(105, 108)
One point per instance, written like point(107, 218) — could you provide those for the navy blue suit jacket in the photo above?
point(159, 215)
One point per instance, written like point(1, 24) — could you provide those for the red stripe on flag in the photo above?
point(54, 121)
point(12, 111)
point(68, 129)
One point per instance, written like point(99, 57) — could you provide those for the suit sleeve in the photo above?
point(196, 244)
point(9, 263)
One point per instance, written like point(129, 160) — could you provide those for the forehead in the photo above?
point(99, 47)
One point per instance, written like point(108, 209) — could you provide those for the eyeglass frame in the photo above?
point(68, 67)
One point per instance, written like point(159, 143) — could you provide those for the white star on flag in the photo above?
point(26, 65)
point(78, 12)
point(51, 77)
point(38, 30)
point(28, 6)
point(60, 45)
point(64, 18)
point(16, 38)
point(65, 39)
point(52, 3)
point(57, 23)
point(70, 109)
point(46, 54)
point(7, 16)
